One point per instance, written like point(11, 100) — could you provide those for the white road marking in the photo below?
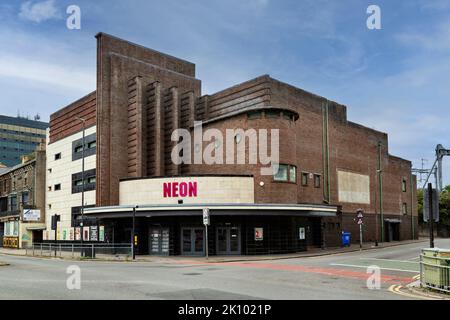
point(365, 267)
point(416, 258)
point(403, 261)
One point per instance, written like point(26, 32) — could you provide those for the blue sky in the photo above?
point(395, 79)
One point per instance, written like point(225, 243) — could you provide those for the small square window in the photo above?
point(317, 180)
point(305, 176)
point(57, 187)
point(58, 156)
point(92, 144)
point(405, 208)
point(78, 149)
point(404, 185)
point(92, 180)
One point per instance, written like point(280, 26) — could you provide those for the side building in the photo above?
point(19, 137)
point(22, 201)
point(65, 167)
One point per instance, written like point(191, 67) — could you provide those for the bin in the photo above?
point(346, 239)
point(435, 273)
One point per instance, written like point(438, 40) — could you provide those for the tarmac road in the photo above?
point(340, 276)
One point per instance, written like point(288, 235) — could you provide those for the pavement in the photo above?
point(343, 275)
point(312, 252)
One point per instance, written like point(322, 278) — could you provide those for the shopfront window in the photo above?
point(11, 229)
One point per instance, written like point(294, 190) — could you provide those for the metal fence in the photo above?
point(435, 273)
point(74, 250)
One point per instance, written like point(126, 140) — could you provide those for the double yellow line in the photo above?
point(397, 290)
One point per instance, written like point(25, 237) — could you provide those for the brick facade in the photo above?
point(143, 95)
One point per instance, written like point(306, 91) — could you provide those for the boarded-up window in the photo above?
point(353, 187)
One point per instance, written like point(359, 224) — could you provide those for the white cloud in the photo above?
point(438, 40)
point(53, 74)
point(39, 11)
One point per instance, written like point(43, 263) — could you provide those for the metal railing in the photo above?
point(435, 276)
point(76, 250)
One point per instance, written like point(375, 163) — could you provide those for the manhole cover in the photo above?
point(192, 274)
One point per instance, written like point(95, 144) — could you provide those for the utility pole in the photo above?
point(380, 188)
point(431, 217)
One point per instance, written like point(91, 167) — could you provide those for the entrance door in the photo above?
point(37, 236)
point(192, 242)
point(159, 241)
point(392, 231)
point(228, 240)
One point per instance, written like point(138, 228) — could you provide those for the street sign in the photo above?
point(31, 215)
point(206, 216)
point(426, 205)
point(360, 215)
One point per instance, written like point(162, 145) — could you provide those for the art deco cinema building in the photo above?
point(329, 167)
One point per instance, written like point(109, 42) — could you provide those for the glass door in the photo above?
point(192, 241)
point(228, 240)
point(159, 241)
point(235, 240)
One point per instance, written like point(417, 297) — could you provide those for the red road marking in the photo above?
point(389, 279)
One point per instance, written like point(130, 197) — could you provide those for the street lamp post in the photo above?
point(133, 235)
point(82, 183)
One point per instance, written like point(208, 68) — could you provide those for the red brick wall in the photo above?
point(64, 123)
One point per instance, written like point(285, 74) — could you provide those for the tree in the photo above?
point(444, 206)
point(420, 204)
